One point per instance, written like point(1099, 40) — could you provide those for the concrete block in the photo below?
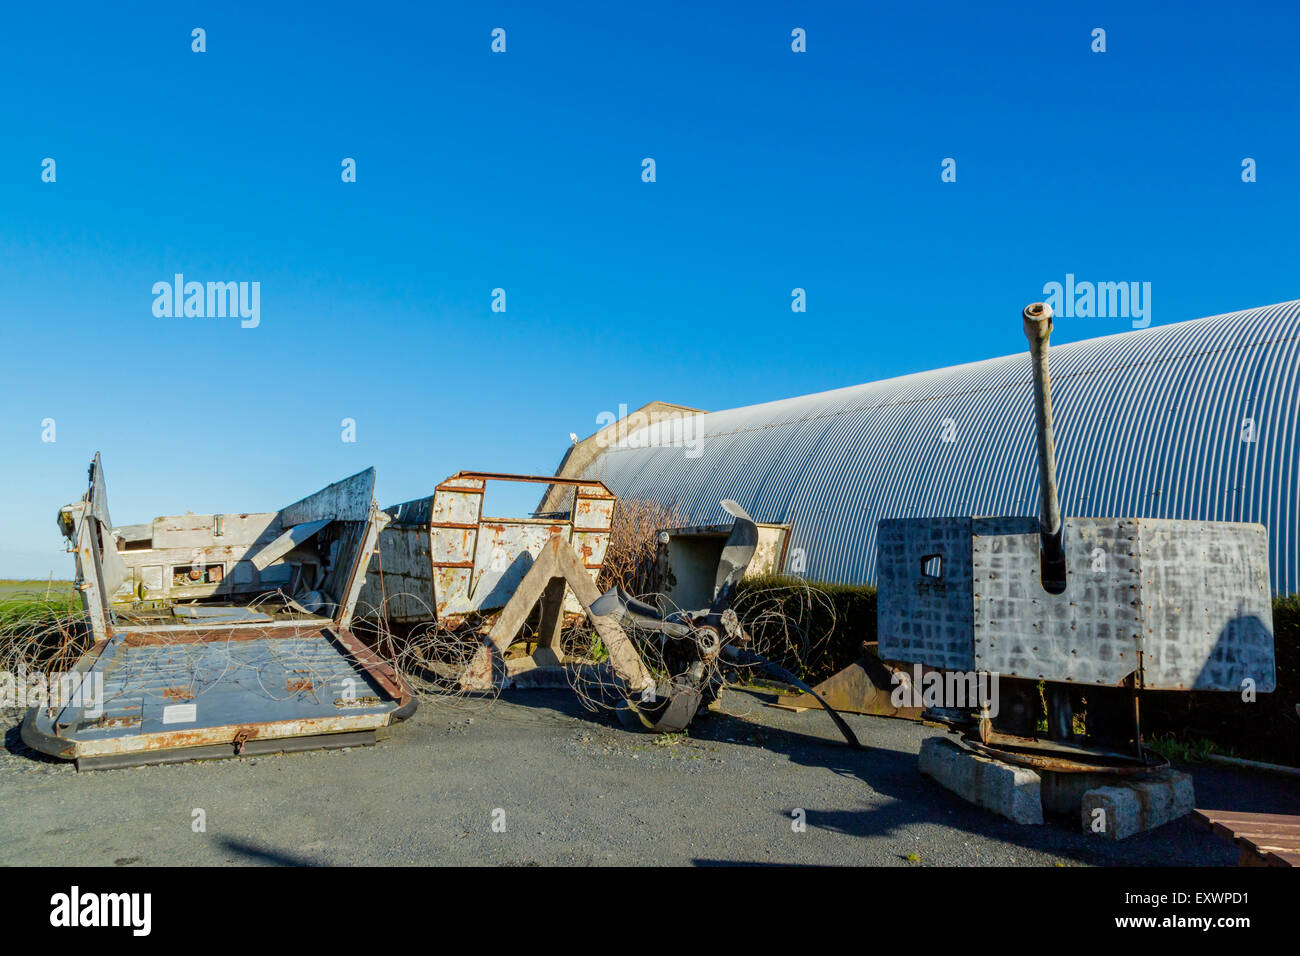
point(1012, 792)
point(528, 673)
point(1120, 810)
point(1063, 792)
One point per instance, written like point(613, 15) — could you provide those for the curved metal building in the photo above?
point(1197, 420)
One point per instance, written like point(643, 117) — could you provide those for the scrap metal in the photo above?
point(217, 635)
point(443, 559)
point(687, 647)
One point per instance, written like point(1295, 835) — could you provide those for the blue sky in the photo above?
point(522, 171)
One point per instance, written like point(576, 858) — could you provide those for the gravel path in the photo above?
point(575, 789)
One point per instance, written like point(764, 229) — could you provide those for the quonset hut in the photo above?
point(1197, 420)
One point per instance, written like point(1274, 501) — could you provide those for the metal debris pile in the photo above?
point(220, 634)
point(790, 622)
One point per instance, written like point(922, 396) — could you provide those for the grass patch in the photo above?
point(811, 628)
point(672, 740)
point(16, 589)
point(1177, 749)
point(22, 613)
point(41, 625)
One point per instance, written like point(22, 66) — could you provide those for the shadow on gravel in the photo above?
point(14, 745)
point(918, 800)
point(271, 857)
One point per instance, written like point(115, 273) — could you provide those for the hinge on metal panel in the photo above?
point(240, 739)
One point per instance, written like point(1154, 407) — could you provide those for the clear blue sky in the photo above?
point(522, 170)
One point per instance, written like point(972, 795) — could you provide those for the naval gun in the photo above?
point(1081, 613)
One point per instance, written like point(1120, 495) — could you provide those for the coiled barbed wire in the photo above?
point(790, 623)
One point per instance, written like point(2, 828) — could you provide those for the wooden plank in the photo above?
point(1244, 817)
point(1266, 839)
point(1283, 836)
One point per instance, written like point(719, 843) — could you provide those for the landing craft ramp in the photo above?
point(242, 647)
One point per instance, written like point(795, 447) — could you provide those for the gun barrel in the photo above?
point(1038, 329)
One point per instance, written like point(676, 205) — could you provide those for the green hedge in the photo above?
point(826, 625)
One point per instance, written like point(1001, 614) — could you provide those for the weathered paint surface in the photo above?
point(235, 666)
point(1184, 604)
point(442, 557)
point(159, 694)
point(202, 556)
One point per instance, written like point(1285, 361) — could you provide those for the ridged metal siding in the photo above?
point(1148, 424)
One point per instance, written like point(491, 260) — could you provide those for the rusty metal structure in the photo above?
point(217, 635)
point(864, 687)
point(1100, 609)
point(666, 662)
point(442, 558)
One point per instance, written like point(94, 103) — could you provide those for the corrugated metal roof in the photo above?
point(1149, 423)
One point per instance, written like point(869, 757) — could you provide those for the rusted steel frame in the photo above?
point(310, 621)
point(544, 479)
point(366, 548)
point(90, 584)
point(215, 636)
point(371, 663)
point(1065, 749)
point(227, 734)
point(84, 668)
point(251, 747)
point(557, 561)
point(1102, 762)
point(501, 521)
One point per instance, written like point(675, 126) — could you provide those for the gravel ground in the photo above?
point(572, 788)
